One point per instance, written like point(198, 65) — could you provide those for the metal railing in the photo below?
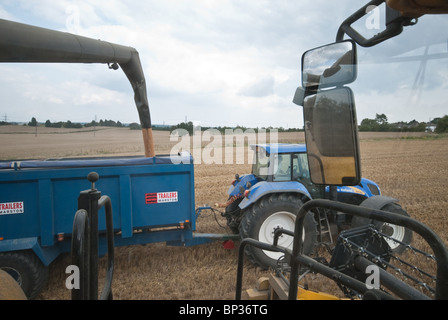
point(297, 260)
point(84, 247)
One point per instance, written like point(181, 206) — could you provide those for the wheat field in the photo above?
point(410, 167)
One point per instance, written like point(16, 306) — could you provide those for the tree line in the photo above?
point(189, 127)
point(381, 124)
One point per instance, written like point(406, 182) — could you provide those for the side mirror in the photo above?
point(331, 131)
point(331, 137)
point(329, 66)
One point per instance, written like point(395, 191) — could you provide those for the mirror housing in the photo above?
point(331, 137)
point(329, 66)
point(331, 130)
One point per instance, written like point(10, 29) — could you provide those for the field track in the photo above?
point(412, 168)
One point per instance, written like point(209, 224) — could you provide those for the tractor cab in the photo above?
point(281, 163)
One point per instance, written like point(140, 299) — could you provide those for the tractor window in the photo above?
point(300, 167)
point(282, 167)
point(261, 164)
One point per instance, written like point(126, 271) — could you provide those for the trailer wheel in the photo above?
point(264, 217)
point(399, 233)
point(26, 268)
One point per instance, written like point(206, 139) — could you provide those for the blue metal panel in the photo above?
point(46, 212)
point(263, 188)
point(25, 224)
point(49, 190)
point(125, 206)
point(281, 147)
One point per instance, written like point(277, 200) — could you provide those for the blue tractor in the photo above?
point(270, 197)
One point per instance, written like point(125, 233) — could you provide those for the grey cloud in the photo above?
point(261, 88)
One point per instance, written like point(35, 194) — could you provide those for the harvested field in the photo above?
point(412, 169)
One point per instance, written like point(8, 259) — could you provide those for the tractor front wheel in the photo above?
point(274, 212)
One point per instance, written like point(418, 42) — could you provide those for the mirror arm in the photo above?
point(394, 25)
point(299, 96)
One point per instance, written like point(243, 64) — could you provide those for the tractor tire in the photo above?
point(396, 232)
point(25, 268)
point(275, 211)
point(233, 215)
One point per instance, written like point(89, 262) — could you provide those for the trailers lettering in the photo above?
point(161, 197)
point(11, 207)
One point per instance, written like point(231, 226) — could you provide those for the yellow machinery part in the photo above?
point(304, 294)
point(9, 288)
point(416, 8)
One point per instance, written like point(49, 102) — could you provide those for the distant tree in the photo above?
point(135, 126)
point(442, 125)
point(381, 118)
point(188, 126)
point(368, 125)
point(33, 122)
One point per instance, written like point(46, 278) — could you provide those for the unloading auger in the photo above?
point(25, 43)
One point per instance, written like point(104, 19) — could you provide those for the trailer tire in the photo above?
point(26, 268)
point(398, 232)
point(278, 210)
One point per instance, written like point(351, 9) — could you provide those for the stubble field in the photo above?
point(410, 167)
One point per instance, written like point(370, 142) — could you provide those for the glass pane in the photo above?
point(331, 137)
point(282, 167)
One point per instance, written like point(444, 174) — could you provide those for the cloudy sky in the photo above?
point(219, 63)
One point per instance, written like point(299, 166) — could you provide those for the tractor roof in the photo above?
point(281, 147)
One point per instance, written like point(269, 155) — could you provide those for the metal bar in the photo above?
point(88, 201)
point(433, 240)
point(240, 268)
point(106, 293)
point(79, 250)
point(393, 26)
point(85, 243)
point(335, 275)
point(395, 285)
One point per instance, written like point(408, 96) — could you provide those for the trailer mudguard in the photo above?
point(46, 255)
point(377, 202)
point(263, 188)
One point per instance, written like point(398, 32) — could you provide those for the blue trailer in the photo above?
point(151, 197)
point(152, 201)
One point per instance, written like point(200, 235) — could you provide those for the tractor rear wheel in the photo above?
point(273, 212)
point(400, 233)
point(233, 215)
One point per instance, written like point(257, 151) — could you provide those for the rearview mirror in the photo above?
point(332, 137)
point(329, 66)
